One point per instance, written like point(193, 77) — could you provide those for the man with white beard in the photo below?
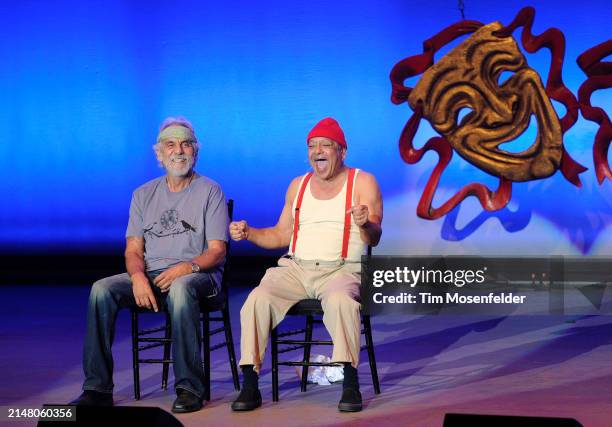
point(176, 238)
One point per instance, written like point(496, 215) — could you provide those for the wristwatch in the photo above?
point(195, 268)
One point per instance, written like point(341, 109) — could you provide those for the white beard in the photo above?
point(174, 169)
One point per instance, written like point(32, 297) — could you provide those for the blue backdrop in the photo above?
point(85, 85)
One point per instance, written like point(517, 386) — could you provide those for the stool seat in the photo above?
point(305, 307)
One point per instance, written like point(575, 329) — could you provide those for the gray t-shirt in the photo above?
point(176, 226)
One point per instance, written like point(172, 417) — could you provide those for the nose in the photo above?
point(316, 148)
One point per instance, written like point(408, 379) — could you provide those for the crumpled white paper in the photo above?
point(322, 375)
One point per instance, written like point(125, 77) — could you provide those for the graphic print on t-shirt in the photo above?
point(169, 224)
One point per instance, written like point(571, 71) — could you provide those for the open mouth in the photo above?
point(179, 160)
point(321, 164)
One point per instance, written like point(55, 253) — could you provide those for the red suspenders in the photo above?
point(298, 205)
point(347, 216)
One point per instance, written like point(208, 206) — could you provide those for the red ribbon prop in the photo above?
point(599, 77)
point(551, 39)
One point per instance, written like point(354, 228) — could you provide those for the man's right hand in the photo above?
point(239, 230)
point(143, 294)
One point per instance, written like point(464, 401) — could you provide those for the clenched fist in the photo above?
point(239, 230)
point(360, 214)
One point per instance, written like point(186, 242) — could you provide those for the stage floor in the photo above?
point(428, 366)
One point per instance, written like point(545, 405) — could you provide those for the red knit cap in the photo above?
point(328, 128)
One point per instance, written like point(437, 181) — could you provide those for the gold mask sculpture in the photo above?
point(467, 77)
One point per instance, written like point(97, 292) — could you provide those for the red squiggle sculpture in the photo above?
point(444, 121)
point(599, 77)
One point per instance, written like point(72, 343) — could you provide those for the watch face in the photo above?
point(195, 268)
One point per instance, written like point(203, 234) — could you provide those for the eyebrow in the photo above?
point(189, 141)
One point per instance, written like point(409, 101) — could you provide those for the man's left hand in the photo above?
point(164, 280)
point(360, 214)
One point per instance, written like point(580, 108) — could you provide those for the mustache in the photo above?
point(175, 157)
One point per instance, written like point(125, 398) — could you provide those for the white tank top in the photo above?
point(321, 227)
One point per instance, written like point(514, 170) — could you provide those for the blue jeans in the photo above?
point(113, 293)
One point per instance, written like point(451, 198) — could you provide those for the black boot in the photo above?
point(185, 402)
point(249, 397)
point(351, 397)
point(93, 398)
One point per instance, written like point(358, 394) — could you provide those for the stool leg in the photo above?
point(135, 365)
point(367, 330)
point(166, 365)
point(229, 342)
point(206, 344)
point(274, 351)
point(307, 347)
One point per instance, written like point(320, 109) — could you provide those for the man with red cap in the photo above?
point(329, 218)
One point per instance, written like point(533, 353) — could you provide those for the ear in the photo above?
point(343, 154)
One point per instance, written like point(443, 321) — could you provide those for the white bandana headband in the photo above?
point(176, 131)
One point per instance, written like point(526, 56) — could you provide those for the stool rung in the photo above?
point(158, 339)
point(285, 350)
point(216, 319)
point(146, 347)
point(302, 342)
point(218, 346)
point(217, 330)
point(154, 360)
point(309, 364)
point(294, 332)
point(151, 330)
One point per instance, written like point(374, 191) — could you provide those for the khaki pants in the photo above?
point(337, 287)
